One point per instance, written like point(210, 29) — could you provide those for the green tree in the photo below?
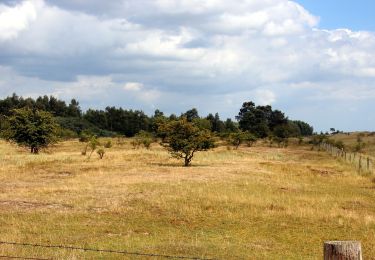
point(191, 114)
point(184, 139)
point(34, 129)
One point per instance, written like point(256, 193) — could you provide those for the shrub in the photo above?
point(108, 144)
point(84, 137)
point(93, 144)
point(142, 138)
point(101, 153)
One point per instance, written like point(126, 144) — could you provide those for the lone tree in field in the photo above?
point(34, 129)
point(183, 139)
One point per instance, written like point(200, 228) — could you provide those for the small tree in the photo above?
point(93, 144)
point(184, 139)
point(34, 129)
point(101, 153)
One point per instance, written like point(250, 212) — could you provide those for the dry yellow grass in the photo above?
point(350, 141)
point(251, 203)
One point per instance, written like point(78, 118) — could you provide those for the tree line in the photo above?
point(261, 121)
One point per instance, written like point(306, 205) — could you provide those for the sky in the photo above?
point(314, 60)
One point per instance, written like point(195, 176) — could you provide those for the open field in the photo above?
point(251, 203)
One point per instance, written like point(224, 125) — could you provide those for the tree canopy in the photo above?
point(183, 139)
point(261, 121)
point(31, 128)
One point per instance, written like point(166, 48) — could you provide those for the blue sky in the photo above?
point(314, 60)
point(352, 14)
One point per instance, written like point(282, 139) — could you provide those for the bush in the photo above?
point(108, 144)
point(101, 153)
point(236, 139)
point(142, 138)
point(84, 138)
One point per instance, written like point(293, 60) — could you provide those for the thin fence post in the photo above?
point(342, 250)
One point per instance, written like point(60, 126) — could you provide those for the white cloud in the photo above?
point(178, 48)
point(14, 20)
point(133, 86)
point(265, 97)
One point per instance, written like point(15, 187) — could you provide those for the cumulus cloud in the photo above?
point(270, 51)
point(16, 19)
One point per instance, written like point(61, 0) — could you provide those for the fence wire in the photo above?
point(20, 257)
point(100, 251)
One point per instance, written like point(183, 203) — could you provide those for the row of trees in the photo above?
point(50, 104)
point(261, 121)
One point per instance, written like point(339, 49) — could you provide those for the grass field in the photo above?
point(251, 203)
point(350, 141)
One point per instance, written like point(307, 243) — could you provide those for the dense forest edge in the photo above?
point(260, 121)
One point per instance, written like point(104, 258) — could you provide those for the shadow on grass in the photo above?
point(179, 165)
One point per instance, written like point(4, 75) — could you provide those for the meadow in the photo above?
point(252, 203)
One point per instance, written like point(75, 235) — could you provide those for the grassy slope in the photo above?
point(254, 203)
point(351, 140)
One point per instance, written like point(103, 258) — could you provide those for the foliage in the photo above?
point(184, 139)
point(202, 123)
point(340, 144)
point(93, 144)
point(80, 125)
point(258, 120)
point(304, 128)
point(108, 144)
point(360, 145)
point(126, 122)
point(191, 114)
point(66, 134)
point(142, 138)
point(217, 125)
point(236, 139)
point(101, 153)
point(45, 103)
point(263, 121)
point(317, 140)
point(31, 128)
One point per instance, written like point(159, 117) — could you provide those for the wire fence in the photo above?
point(20, 257)
point(363, 163)
point(96, 250)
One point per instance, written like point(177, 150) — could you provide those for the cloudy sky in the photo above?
point(313, 60)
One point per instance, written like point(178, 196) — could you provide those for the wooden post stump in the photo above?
point(342, 250)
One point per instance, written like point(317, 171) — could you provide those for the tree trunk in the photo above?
point(342, 250)
point(187, 161)
point(34, 150)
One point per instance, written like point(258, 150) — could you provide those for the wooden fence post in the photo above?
point(342, 250)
